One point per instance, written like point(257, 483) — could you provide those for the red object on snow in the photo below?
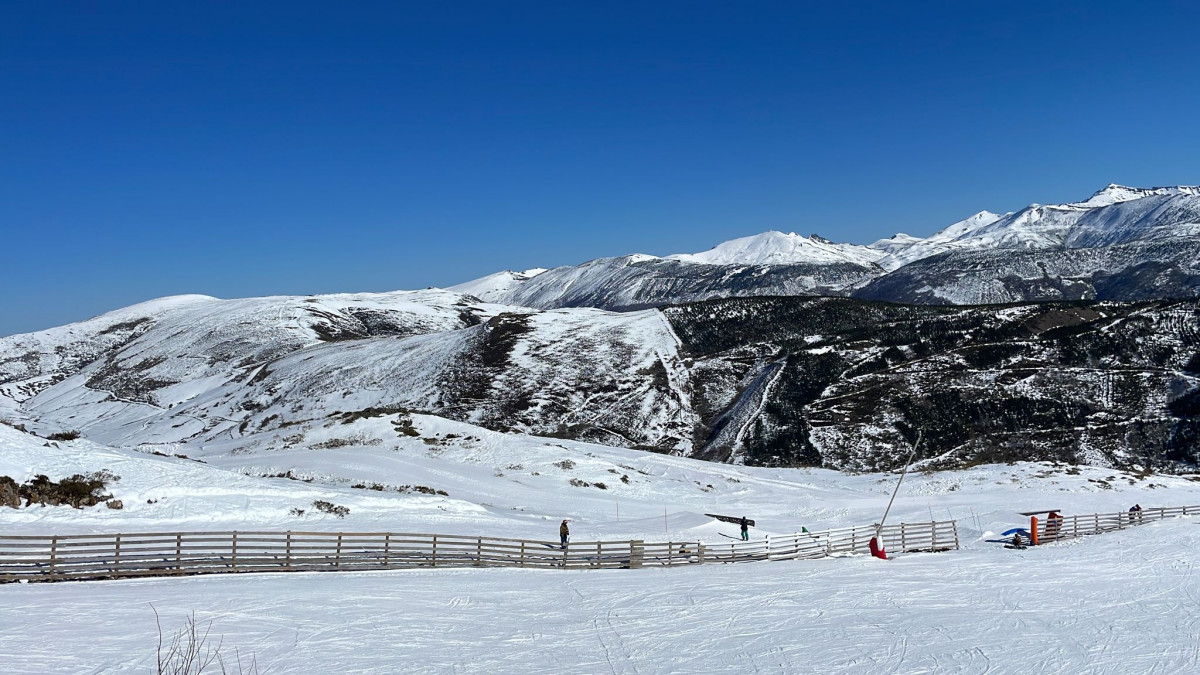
point(877, 550)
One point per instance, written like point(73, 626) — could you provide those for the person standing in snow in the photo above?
point(1053, 525)
point(564, 533)
point(745, 529)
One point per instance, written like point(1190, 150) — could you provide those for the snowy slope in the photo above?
point(1139, 270)
point(33, 361)
point(776, 381)
point(1090, 602)
point(643, 281)
point(1110, 606)
point(494, 287)
point(128, 366)
point(1115, 194)
point(902, 249)
point(586, 373)
point(1113, 216)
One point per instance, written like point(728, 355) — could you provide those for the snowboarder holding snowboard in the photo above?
point(564, 533)
point(745, 529)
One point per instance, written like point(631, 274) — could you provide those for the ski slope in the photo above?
point(1115, 603)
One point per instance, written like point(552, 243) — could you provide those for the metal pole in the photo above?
point(879, 527)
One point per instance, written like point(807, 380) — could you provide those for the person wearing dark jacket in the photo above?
point(745, 529)
point(564, 533)
point(1135, 512)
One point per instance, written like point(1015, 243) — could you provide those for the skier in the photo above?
point(564, 533)
point(1135, 512)
point(1017, 542)
point(745, 529)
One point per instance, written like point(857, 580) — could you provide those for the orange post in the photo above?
point(1033, 530)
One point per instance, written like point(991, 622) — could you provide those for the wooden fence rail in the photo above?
point(102, 556)
point(1068, 527)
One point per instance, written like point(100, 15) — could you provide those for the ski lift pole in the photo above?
point(879, 527)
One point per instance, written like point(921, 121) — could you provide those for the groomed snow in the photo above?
point(1116, 603)
point(1120, 603)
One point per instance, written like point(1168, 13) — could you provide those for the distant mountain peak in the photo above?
point(775, 262)
point(778, 248)
point(1115, 194)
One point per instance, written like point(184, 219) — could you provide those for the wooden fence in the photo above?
point(101, 556)
point(1069, 527)
point(905, 537)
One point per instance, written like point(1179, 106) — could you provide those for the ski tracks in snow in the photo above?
point(1116, 604)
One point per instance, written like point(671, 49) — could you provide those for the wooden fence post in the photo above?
point(904, 538)
point(179, 552)
point(387, 549)
point(53, 555)
point(337, 560)
point(117, 555)
point(433, 559)
point(478, 551)
point(637, 552)
point(288, 549)
point(234, 550)
point(598, 555)
point(699, 553)
point(522, 563)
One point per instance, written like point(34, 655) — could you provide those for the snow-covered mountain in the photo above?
point(202, 368)
point(494, 287)
point(774, 263)
point(688, 367)
point(830, 382)
point(636, 281)
point(901, 249)
point(1140, 270)
point(777, 248)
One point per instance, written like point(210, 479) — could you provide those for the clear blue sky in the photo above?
point(239, 149)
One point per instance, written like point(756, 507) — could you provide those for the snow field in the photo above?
point(1119, 603)
point(1115, 603)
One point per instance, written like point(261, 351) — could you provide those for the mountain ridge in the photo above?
point(777, 263)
